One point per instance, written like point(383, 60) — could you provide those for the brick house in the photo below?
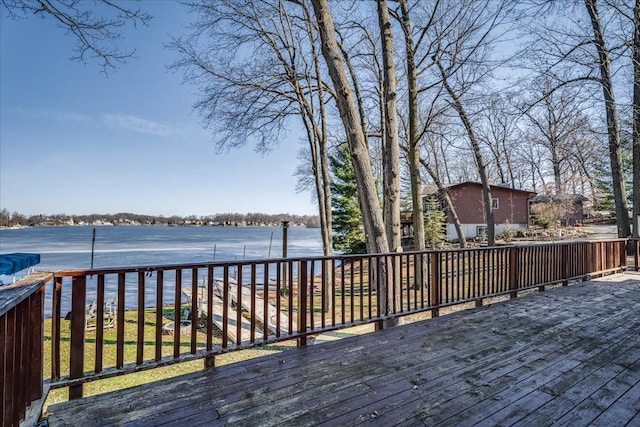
point(510, 206)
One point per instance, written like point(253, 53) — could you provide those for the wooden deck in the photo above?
point(567, 356)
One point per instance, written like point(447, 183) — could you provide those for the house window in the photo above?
point(495, 203)
point(481, 231)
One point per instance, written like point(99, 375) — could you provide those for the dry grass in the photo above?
point(351, 304)
point(130, 348)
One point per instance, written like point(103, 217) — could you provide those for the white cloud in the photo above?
point(118, 121)
point(57, 115)
point(137, 124)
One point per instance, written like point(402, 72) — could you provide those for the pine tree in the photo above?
point(348, 234)
point(602, 177)
point(434, 223)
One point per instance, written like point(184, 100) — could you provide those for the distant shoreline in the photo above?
point(232, 225)
point(17, 220)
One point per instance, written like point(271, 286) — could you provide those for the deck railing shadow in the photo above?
point(239, 305)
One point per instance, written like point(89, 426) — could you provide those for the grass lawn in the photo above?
point(352, 303)
point(130, 339)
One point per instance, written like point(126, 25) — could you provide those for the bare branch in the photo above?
point(96, 35)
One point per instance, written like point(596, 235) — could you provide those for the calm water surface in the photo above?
point(132, 246)
point(70, 247)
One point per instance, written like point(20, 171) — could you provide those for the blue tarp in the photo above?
point(13, 263)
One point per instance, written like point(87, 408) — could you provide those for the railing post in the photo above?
point(99, 324)
point(210, 361)
point(436, 283)
point(513, 271)
point(120, 321)
point(36, 319)
point(78, 306)
point(21, 350)
point(381, 294)
point(159, 316)
point(566, 268)
point(302, 303)
point(56, 299)
point(590, 260)
point(636, 256)
point(209, 358)
point(177, 313)
point(195, 313)
point(140, 321)
point(9, 405)
point(582, 259)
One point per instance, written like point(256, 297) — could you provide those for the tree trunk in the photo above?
point(324, 161)
point(369, 238)
point(367, 195)
point(391, 151)
point(482, 170)
point(369, 204)
point(636, 120)
point(555, 162)
point(413, 152)
point(615, 155)
point(322, 187)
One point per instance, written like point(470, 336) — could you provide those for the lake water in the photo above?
point(63, 248)
point(132, 246)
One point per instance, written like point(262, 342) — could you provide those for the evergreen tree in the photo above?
point(348, 234)
point(602, 176)
point(434, 223)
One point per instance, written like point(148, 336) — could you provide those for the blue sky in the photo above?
point(75, 141)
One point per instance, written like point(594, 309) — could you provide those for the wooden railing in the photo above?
point(635, 250)
point(114, 321)
point(21, 379)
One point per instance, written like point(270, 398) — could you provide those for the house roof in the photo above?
point(429, 189)
point(543, 199)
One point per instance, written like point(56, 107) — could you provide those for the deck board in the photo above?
point(569, 356)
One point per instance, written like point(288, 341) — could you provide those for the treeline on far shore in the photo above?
point(224, 219)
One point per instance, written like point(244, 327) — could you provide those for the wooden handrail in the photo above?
point(21, 335)
point(254, 302)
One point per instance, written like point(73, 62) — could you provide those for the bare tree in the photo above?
point(585, 156)
point(434, 162)
point(636, 119)
point(369, 206)
point(413, 137)
point(556, 124)
point(477, 153)
point(451, 56)
point(257, 66)
point(96, 35)
point(570, 53)
point(499, 134)
point(617, 170)
point(358, 41)
point(391, 147)
point(372, 215)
